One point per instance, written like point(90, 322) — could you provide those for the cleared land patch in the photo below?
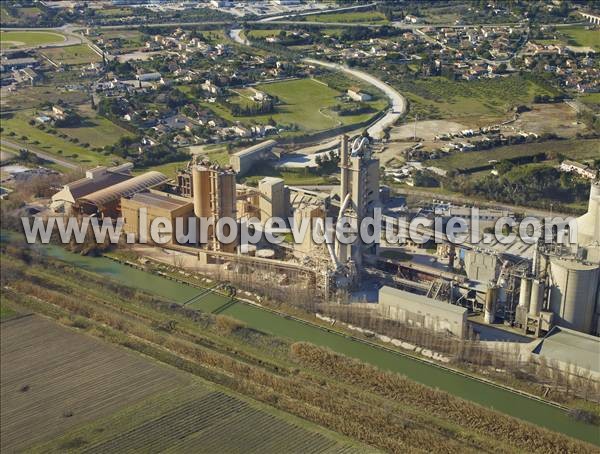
point(573, 149)
point(11, 39)
point(78, 54)
point(473, 103)
point(353, 17)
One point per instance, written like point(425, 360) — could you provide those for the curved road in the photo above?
point(13, 146)
point(398, 102)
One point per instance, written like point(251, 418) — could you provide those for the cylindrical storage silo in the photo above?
point(525, 294)
point(537, 297)
point(200, 192)
point(490, 304)
point(574, 286)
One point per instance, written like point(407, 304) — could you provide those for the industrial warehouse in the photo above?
point(459, 290)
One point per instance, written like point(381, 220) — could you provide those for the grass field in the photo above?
point(78, 54)
point(111, 12)
point(11, 39)
point(471, 103)
point(305, 103)
point(96, 131)
point(582, 37)
point(352, 17)
point(574, 149)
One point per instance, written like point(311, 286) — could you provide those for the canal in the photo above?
point(488, 395)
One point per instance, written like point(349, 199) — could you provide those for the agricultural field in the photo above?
point(305, 104)
point(17, 129)
point(372, 17)
point(128, 403)
point(79, 54)
point(473, 103)
point(12, 39)
point(576, 149)
point(43, 368)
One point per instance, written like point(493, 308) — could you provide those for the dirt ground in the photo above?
point(426, 130)
point(545, 118)
point(53, 378)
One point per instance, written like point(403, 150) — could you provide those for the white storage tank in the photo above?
point(525, 294)
point(265, 253)
point(537, 297)
point(573, 293)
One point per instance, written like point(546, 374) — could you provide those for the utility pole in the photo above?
point(415, 132)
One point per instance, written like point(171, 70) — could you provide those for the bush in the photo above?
point(227, 324)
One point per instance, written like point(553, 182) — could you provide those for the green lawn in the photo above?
point(579, 36)
point(52, 143)
point(263, 33)
point(78, 54)
point(96, 130)
point(11, 39)
point(169, 169)
point(353, 17)
point(110, 12)
point(5, 311)
point(573, 149)
point(305, 103)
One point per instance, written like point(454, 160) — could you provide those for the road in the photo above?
point(398, 102)
point(41, 154)
point(312, 13)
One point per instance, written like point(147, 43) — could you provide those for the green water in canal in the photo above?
point(490, 396)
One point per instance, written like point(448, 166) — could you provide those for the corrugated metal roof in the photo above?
point(571, 347)
point(85, 186)
point(125, 188)
point(257, 147)
point(424, 301)
point(160, 201)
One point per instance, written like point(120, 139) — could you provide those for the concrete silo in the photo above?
point(537, 297)
point(588, 225)
point(574, 293)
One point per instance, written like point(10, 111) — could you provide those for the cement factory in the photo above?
point(521, 289)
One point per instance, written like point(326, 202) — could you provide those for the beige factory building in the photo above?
point(359, 191)
point(214, 195)
point(274, 198)
point(421, 311)
point(243, 160)
point(157, 205)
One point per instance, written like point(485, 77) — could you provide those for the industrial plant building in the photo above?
point(421, 311)
point(95, 179)
point(243, 160)
point(528, 290)
point(156, 205)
